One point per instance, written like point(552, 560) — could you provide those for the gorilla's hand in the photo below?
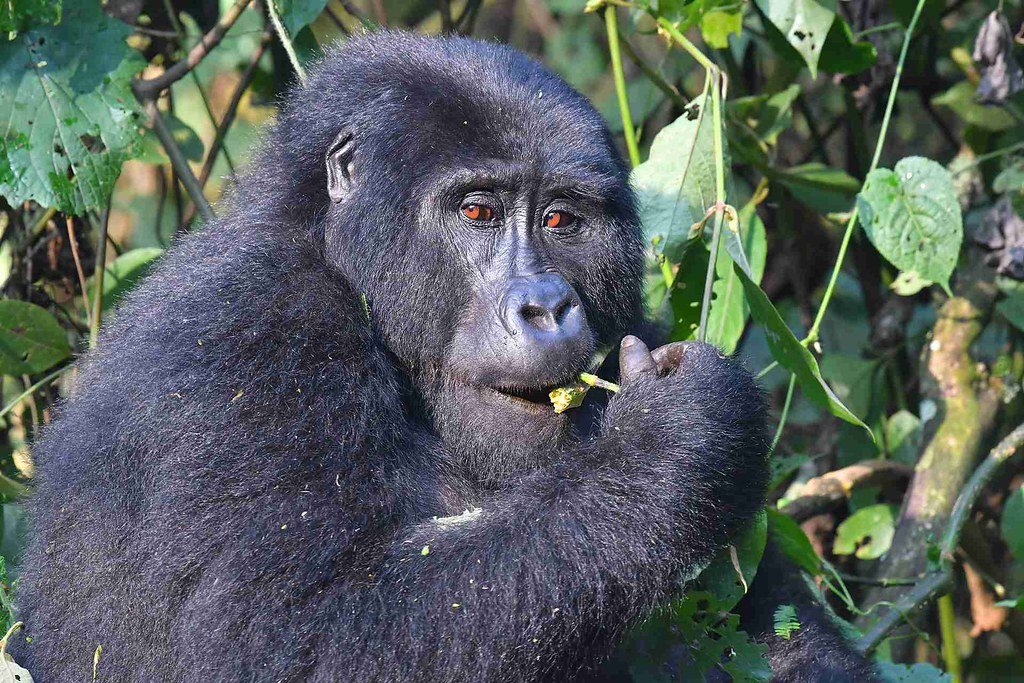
point(689, 424)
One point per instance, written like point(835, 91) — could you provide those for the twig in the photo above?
point(97, 278)
point(178, 161)
point(232, 110)
point(827, 492)
point(286, 40)
point(148, 89)
point(78, 267)
point(611, 23)
point(937, 580)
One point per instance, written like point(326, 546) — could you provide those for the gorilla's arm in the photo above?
point(816, 651)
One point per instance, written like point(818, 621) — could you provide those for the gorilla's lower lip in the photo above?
point(534, 399)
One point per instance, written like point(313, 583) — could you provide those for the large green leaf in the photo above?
point(914, 673)
point(730, 574)
point(791, 354)
point(912, 216)
point(961, 99)
point(296, 14)
point(16, 15)
point(842, 54)
point(867, 532)
point(676, 185)
point(70, 117)
point(31, 339)
point(805, 23)
point(729, 310)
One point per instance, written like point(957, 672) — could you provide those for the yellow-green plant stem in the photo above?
point(611, 23)
point(286, 40)
point(714, 75)
point(950, 653)
point(32, 389)
point(812, 334)
point(785, 413)
point(97, 279)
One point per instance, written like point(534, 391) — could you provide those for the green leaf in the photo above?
point(766, 115)
point(121, 275)
point(731, 572)
point(805, 23)
point(688, 290)
point(74, 120)
point(1011, 178)
point(791, 354)
point(1012, 308)
point(867, 533)
point(1012, 524)
point(716, 25)
point(729, 309)
point(961, 99)
point(296, 14)
point(676, 185)
point(791, 540)
point(915, 673)
point(823, 188)
point(16, 15)
point(843, 55)
point(903, 437)
point(31, 339)
point(785, 621)
point(912, 216)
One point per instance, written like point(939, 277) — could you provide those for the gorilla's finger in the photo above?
point(670, 356)
point(634, 358)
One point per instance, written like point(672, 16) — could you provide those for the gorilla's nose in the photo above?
point(544, 308)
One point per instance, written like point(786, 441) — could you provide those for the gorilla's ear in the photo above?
point(341, 166)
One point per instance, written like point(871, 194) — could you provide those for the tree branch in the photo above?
point(829, 491)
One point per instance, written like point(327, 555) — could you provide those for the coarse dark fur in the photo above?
point(251, 477)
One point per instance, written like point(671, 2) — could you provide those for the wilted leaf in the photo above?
point(74, 120)
point(912, 216)
point(1002, 233)
point(31, 340)
point(1001, 75)
point(791, 354)
point(867, 532)
point(17, 15)
point(805, 23)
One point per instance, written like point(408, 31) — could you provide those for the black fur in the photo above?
point(249, 479)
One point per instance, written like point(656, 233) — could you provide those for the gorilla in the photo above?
point(315, 444)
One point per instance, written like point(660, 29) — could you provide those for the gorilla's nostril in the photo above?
point(563, 309)
point(538, 316)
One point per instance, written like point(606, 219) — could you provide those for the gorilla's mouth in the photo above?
point(533, 398)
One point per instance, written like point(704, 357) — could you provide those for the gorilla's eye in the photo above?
point(558, 220)
point(478, 213)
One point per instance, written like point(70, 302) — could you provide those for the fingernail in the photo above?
point(629, 340)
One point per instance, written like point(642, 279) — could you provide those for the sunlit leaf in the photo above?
point(912, 216)
point(805, 23)
point(295, 14)
point(17, 15)
point(961, 99)
point(867, 533)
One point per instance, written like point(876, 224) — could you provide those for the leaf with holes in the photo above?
point(72, 120)
point(912, 216)
point(867, 533)
point(804, 23)
point(31, 340)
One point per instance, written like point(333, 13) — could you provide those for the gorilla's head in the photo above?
point(480, 205)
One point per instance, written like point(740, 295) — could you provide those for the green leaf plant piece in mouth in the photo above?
point(572, 395)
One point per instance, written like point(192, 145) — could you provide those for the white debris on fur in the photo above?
point(467, 516)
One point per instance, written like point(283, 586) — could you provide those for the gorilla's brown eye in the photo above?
point(556, 220)
point(478, 212)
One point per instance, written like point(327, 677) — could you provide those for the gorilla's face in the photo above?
point(491, 227)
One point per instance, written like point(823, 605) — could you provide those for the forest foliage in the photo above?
point(832, 190)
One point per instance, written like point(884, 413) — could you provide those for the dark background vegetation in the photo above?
point(891, 342)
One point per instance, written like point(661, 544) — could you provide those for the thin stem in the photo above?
point(652, 74)
point(611, 23)
point(812, 334)
point(286, 41)
point(717, 85)
point(97, 278)
point(32, 389)
point(947, 628)
point(785, 413)
point(73, 239)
